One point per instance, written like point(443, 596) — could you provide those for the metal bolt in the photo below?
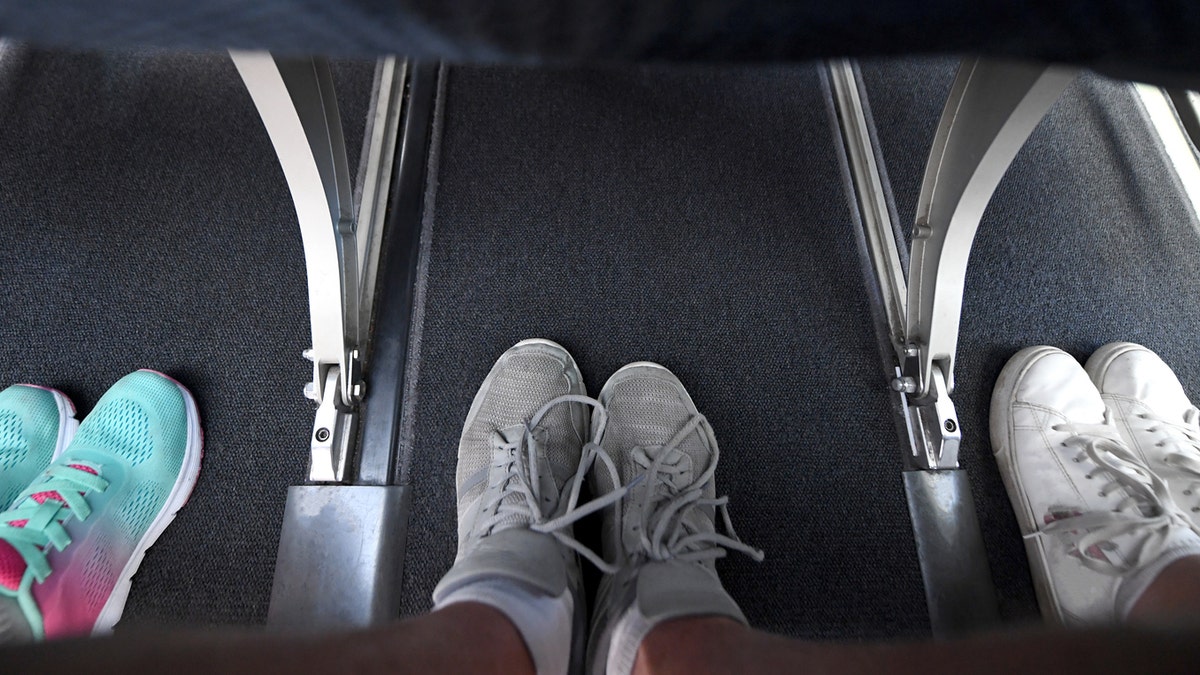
point(950, 426)
point(322, 435)
point(908, 385)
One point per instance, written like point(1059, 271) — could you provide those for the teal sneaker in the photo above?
point(36, 424)
point(73, 540)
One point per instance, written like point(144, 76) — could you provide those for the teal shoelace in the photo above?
point(39, 523)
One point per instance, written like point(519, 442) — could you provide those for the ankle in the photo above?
point(690, 645)
point(542, 622)
point(496, 644)
point(1172, 596)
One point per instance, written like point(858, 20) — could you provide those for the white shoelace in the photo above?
point(1154, 513)
point(665, 532)
point(1185, 441)
point(522, 479)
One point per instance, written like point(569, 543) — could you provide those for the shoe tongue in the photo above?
point(12, 565)
point(670, 457)
point(43, 497)
point(510, 436)
point(673, 458)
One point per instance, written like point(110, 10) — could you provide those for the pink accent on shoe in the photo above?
point(1094, 551)
point(12, 565)
point(41, 497)
point(66, 610)
point(62, 616)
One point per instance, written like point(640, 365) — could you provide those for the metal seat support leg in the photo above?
point(295, 99)
point(992, 109)
point(341, 545)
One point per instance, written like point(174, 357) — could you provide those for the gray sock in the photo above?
point(543, 621)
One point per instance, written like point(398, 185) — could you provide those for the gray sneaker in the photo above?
point(519, 476)
point(663, 535)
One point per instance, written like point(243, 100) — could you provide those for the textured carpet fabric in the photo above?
point(696, 218)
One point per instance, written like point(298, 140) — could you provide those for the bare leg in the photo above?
point(717, 645)
point(466, 637)
point(1173, 597)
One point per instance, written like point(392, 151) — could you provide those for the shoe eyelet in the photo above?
point(1187, 492)
point(1196, 509)
point(1102, 494)
point(1089, 476)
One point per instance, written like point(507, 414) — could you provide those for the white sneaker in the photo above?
point(1098, 524)
point(1154, 417)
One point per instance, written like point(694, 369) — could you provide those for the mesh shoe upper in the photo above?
point(666, 455)
point(78, 531)
point(522, 381)
point(31, 422)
